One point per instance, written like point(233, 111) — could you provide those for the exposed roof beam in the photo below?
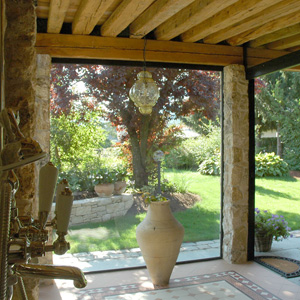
point(265, 28)
point(155, 15)
point(274, 36)
point(225, 18)
point(57, 13)
point(286, 43)
point(190, 16)
point(94, 47)
point(294, 49)
point(88, 14)
point(284, 62)
point(124, 14)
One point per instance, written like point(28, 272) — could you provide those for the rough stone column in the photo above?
point(42, 102)
point(20, 81)
point(236, 164)
point(42, 129)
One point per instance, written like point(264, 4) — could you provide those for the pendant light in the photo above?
point(144, 92)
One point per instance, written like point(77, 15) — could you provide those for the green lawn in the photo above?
point(201, 222)
point(280, 196)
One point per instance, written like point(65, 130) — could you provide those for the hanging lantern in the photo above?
point(144, 93)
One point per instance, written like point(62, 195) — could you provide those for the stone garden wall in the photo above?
point(99, 209)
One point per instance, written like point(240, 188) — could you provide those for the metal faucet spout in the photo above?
point(51, 272)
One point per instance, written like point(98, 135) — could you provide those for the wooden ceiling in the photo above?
point(191, 31)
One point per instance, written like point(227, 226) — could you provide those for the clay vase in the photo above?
point(160, 236)
point(104, 189)
point(120, 187)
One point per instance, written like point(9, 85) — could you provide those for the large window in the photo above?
point(99, 136)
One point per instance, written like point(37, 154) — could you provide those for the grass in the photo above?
point(201, 222)
point(281, 196)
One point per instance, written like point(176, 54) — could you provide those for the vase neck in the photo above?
point(160, 210)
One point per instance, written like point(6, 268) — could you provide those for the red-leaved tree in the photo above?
point(182, 92)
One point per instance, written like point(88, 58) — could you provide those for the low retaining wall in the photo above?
point(99, 209)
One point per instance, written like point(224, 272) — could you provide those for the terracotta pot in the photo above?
point(104, 189)
point(263, 242)
point(120, 187)
point(159, 236)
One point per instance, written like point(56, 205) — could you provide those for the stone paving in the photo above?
point(109, 260)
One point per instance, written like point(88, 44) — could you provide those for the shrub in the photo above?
point(269, 164)
point(193, 152)
point(211, 166)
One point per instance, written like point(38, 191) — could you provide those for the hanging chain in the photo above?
point(144, 54)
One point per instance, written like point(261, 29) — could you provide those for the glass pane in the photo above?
point(99, 136)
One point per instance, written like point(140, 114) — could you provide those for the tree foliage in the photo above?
point(278, 107)
point(75, 137)
point(182, 92)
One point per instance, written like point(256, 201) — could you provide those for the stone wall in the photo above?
point(99, 209)
point(20, 81)
point(236, 164)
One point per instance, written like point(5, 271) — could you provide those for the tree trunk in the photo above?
point(138, 164)
point(279, 145)
point(139, 153)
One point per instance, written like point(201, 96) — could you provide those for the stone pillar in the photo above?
point(20, 81)
point(236, 164)
point(42, 102)
point(42, 130)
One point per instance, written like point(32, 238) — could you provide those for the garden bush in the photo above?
point(192, 152)
point(211, 166)
point(269, 164)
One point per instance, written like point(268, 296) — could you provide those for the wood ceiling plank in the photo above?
point(124, 14)
point(281, 22)
point(286, 43)
point(155, 15)
point(293, 49)
point(94, 47)
point(190, 16)
point(88, 15)
point(274, 36)
point(57, 13)
point(225, 18)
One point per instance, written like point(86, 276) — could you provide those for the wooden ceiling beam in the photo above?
point(124, 14)
point(286, 43)
point(225, 18)
point(190, 16)
point(274, 36)
point(278, 23)
point(155, 15)
point(57, 13)
point(267, 15)
point(287, 61)
point(93, 47)
point(88, 14)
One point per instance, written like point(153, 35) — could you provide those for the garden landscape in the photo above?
point(97, 147)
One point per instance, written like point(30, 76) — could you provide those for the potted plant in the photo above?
point(120, 184)
point(267, 227)
point(159, 237)
point(104, 182)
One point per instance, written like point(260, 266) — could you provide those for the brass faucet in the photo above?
point(22, 237)
point(51, 272)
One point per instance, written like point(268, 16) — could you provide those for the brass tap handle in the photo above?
point(51, 272)
point(60, 245)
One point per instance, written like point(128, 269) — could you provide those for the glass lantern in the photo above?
point(144, 93)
